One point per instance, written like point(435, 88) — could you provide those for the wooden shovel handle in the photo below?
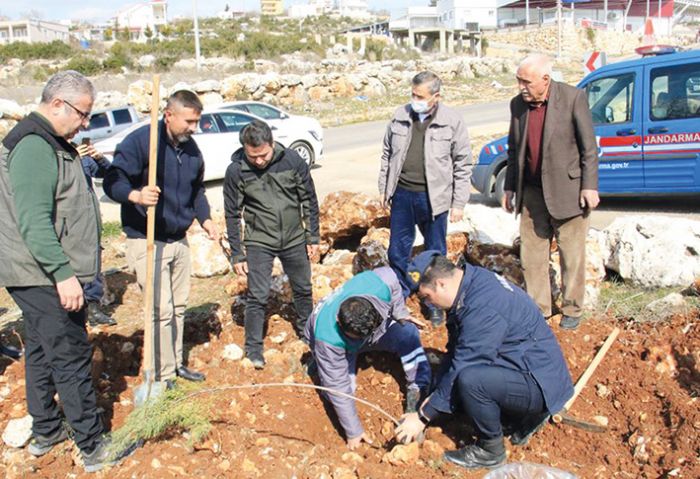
point(148, 359)
point(581, 383)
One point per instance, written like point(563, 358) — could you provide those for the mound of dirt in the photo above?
point(646, 391)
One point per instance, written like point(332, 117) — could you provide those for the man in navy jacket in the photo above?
point(179, 198)
point(502, 359)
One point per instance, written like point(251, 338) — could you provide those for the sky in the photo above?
point(102, 10)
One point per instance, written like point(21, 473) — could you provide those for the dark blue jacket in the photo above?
point(494, 322)
point(180, 174)
point(94, 168)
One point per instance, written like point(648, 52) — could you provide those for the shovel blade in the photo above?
point(149, 390)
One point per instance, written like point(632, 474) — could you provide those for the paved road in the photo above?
point(341, 138)
point(351, 163)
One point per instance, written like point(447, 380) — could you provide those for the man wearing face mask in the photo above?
point(552, 181)
point(424, 174)
point(179, 199)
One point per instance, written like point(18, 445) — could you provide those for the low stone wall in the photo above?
point(322, 81)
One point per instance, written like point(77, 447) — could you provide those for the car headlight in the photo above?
point(317, 135)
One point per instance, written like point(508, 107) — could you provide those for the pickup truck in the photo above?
point(646, 114)
point(104, 123)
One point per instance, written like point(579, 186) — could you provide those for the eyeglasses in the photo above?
point(82, 114)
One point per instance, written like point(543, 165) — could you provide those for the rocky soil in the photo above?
point(646, 389)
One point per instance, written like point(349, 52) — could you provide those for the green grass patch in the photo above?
point(111, 229)
point(33, 51)
point(624, 301)
point(169, 412)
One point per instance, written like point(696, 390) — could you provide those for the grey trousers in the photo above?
point(537, 228)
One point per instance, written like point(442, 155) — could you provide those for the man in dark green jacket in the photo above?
point(49, 247)
point(270, 188)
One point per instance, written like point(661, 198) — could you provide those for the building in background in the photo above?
point(352, 8)
point(33, 31)
point(303, 10)
point(271, 7)
point(356, 9)
point(139, 18)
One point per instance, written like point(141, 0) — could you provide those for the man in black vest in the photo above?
point(49, 246)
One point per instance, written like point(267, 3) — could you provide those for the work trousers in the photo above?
point(404, 341)
point(488, 393)
point(171, 291)
point(297, 267)
point(58, 359)
point(408, 210)
point(537, 228)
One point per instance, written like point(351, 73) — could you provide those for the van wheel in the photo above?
point(499, 186)
point(305, 151)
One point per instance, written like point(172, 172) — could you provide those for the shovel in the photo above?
point(150, 388)
point(563, 416)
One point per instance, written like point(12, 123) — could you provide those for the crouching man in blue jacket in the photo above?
point(367, 313)
point(502, 360)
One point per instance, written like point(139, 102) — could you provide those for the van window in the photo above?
point(675, 92)
point(121, 117)
point(611, 98)
point(98, 120)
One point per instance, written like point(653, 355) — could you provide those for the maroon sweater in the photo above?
point(535, 127)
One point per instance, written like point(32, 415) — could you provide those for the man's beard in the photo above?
point(183, 138)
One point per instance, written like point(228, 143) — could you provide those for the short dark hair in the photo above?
point(428, 77)
point(256, 133)
point(186, 99)
point(358, 317)
point(439, 268)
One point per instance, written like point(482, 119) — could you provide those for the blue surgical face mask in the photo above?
point(421, 106)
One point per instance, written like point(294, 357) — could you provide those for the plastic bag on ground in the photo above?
point(526, 470)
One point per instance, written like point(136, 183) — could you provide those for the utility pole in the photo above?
point(196, 36)
point(559, 29)
point(605, 13)
point(527, 12)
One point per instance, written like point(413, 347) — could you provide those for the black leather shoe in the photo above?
point(97, 317)
point(11, 352)
point(475, 457)
point(529, 426)
point(189, 374)
point(569, 322)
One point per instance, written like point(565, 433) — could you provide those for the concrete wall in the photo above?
point(33, 31)
point(455, 14)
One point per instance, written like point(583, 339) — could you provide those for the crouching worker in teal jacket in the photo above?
point(367, 313)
